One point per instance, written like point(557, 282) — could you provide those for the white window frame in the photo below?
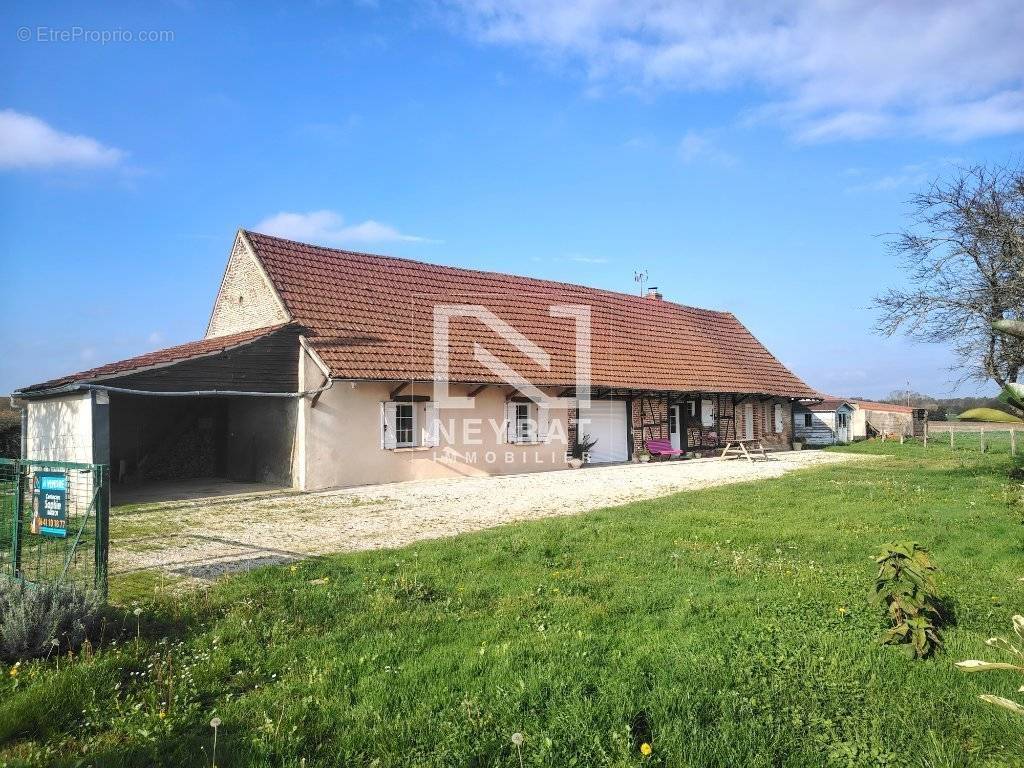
point(525, 425)
point(691, 408)
point(808, 420)
point(425, 424)
point(536, 423)
point(777, 413)
point(412, 443)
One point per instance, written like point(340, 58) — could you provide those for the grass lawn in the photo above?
point(725, 627)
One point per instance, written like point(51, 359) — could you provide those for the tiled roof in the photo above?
point(189, 351)
point(827, 404)
point(371, 317)
point(870, 405)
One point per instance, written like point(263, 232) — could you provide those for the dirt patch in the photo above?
point(199, 542)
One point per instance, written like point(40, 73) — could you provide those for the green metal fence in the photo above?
point(54, 519)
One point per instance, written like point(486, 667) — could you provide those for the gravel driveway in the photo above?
point(200, 540)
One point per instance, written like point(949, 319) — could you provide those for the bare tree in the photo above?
point(964, 256)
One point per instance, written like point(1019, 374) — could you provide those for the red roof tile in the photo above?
point(826, 405)
point(171, 355)
point(371, 317)
point(871, 405)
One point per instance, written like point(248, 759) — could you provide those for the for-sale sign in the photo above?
point(51, 504)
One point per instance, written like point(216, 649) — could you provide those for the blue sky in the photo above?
point(747, 162)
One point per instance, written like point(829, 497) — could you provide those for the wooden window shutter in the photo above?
point(388, 420)
point(510, 422)
point(430, 429)
point(707, 413)
point(543, 423)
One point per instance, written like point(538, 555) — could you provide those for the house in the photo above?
point(871, 419)
point(323, 368)
point(825, 422)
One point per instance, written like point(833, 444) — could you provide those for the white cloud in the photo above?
point(28, 142)
point(838, 70)
point(907, 176)
point(588, 259)
point(696, 146)
point(329, 228)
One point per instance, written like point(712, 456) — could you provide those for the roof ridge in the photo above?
point(488, 273)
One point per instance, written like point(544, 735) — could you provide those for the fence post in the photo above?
point(16, 522)
point(951, 432)
point(982, 439)
point(101, 475)
point(1013, 441)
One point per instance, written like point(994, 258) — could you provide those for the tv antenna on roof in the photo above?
point(641, 278)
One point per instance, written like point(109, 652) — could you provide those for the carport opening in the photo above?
point(172, 448)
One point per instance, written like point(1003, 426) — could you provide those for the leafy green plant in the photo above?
point(584, 445)
point(905, 587)
point(37, 620)
point(1001, 643)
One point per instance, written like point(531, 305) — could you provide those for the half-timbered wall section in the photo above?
point(717, 419)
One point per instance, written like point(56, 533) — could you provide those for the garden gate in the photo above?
point(54, 518)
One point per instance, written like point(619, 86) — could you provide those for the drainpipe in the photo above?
point(70, 388)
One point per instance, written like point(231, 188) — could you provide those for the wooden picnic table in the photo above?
point(737, 449)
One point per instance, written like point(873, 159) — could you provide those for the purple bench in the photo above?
point(662, 447)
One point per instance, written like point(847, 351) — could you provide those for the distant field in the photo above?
point(988, 415)
point(974, 426)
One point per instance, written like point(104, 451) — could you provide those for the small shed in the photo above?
point(871, 419)
point(823, 423)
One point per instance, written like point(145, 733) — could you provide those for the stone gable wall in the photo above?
point(245, 301)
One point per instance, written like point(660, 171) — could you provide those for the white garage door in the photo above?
point(605, 421)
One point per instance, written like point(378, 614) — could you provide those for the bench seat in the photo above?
point(662, 447)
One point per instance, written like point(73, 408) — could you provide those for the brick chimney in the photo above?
point(654, 293)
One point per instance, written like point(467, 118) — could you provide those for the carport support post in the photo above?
point(100, 427)
point(101, 477)
point(101, 485)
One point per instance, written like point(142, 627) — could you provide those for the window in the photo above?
point(523, 424)
point(778, 419)
point(526, 422)
point(408, 424)
point(807, 419)
point(691, 408)
point(405, 425)
point(841, 417)
point(672, 426)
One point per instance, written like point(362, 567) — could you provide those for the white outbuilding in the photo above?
point(823, 423)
